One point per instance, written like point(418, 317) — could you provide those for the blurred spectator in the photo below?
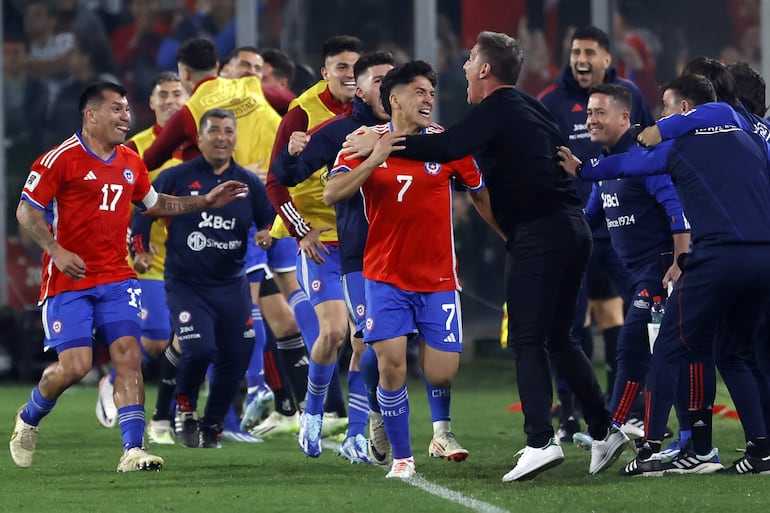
point(24, 262)
point(80, 21)
point(183, 26)
point(86, 64)
point(452, 86)
point(538, 71)
point(135, 47)
point(48, 49)
point(217, 20)
point(635, 57)
point(749, 88)
point(25, 100)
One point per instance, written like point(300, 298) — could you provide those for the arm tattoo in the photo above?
point(34, 222)
point(175, 205)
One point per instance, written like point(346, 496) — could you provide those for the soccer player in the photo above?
point(76, 206)
point(409, 207)
point(547, 238)
point(731, 227)
point(590, 65)
point(208, 293)
point(147, 259)
point(302, 214)
point(316, 150)
point(647, 228)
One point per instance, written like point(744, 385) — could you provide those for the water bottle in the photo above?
point(658, 310)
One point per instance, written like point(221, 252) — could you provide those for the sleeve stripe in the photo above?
point(300, 225)
point(32, 202)
point(50, 157)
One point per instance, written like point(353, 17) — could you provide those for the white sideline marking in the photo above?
point(439, 491)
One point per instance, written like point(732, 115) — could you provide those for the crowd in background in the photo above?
point(53, 48)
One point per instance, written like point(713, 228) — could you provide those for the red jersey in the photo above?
point(409, 208)
point(87, 202)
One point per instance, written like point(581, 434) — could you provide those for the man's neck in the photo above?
point(491, 85)
point(218, 166)
point(99, 148)
point(401, 126)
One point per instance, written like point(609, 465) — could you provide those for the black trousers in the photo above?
point(544, 268)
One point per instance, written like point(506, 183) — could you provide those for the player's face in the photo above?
point(268, 77)
point(216, 140)
point(338, 70)
point(110, 119)
point(588, 61)
point(166, 99)
point(472, 68)
point(368, 88)
point(415, 103)
point(607, 120)
point(245, 64)
point(672, 104)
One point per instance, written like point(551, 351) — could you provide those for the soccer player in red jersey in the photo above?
point(76, 206)
point(410, 265)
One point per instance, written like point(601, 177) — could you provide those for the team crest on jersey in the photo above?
point(325, 176)
point(432, 168)
point(360, 309)
point(369, 324)
point(56, 326)
point(143, 314)
point(128, 175)
point(315, 285)
point(184, 316)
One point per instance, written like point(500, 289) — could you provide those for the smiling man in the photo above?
point(590, 65)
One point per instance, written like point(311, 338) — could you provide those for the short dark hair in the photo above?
point(503, 54)
point(594, 34)
point(620, 94)
point(94, 93)
point(215, 113)
point(371, 59)
point(719, 76)
point(198, 53)
point(750, 87)
point(165, 76)
point(697, 89)
point(234, 53)
point(335, 45)
point(283, 66)
point(402, 75)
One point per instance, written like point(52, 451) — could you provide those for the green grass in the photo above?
point(74, 468)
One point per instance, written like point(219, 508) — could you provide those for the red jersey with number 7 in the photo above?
point(87, 203)
point(409, 208)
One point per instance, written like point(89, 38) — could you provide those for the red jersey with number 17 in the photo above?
point(409, 208)
point(87, 203)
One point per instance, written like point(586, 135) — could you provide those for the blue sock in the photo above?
point(131, 420)
point(395, 414)
point(305, 315)
point(371, 376)
point(318, 379)
point(358, 409)
point(439, 399)
point(37, 408)
point(335, 402)
point(231, 422)
point(684, 435)
point(255, 373)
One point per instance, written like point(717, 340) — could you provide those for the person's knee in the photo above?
point(440, 368)
point(154, 347)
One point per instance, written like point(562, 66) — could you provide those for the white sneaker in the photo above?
point(533, 460)
point(309, 438)
point(333, 424)
point(23, 441)
point(445, 446)
point(277, 424)
point(402, 468)
point(605, 452)
point(633, 431)
point(138, 459)
point(379, 445)
point(160, 432)
point(106, 411)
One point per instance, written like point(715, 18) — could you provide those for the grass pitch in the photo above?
point(74, 468)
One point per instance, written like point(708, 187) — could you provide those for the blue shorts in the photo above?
point(256, 257)
point(321, 282)
point(392, 312)
point(355, 298)
point(282, 256)
point(111, 311)
point(155, 317)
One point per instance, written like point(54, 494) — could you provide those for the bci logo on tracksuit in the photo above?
point(610, 200)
